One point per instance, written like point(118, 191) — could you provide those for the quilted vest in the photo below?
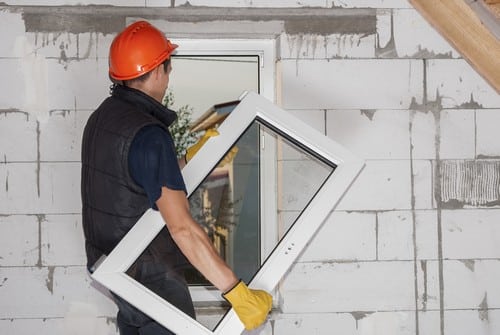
point(111, 201)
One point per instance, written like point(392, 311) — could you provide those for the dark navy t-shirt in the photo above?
point(153, 163)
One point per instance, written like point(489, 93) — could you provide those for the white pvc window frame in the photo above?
point(265, 50)
point(253, 107)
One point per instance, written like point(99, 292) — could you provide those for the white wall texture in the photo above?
point(412, 249)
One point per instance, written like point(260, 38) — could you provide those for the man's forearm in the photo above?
point(193, 240)
point(198, 249)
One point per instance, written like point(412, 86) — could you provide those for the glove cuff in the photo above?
point(228, 292)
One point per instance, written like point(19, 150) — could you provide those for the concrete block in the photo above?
point(349, 323)
point(381, 185)
point(317, 324)
point(426, 234)
point(29, 292)
point(77, 85)
point(60, 187)
point(344, 236)
point(62, 241)
point(29, 188)
point(372, 286)
point(369, 4)
point(10, 37)
point(427, 280)
point(457, 85)
point(19, 137)
point(69, 47)
point(404, 33)
point(423, 135)
point(313, 118)
point(457, 134)
point(471, 233)
point(465, 322)
point(19, 191)
point(423, 189)
point(24, 293)
point(78, 325)
point(61, 135)
point(19, 245)
point(429, 323)
point(316, 46)
point(471, 284)
point(387, 323)
point(73, 286)
point(371, 134)
point(487, 138)
point(240, 3)
point(395, 235)
point(136, 3)
point(351, 84)
point(13, 90)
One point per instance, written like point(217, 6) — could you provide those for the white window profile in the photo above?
point(264, 50)
point(253, 108)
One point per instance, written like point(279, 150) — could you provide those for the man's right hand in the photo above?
point(251, 306)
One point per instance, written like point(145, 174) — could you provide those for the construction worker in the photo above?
point(129, 165)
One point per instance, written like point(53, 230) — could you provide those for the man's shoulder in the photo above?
point(152, 132)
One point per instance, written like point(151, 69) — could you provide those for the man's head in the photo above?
point(139, 52)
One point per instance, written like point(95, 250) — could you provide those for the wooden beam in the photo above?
point(458, 23)
point(494, 7)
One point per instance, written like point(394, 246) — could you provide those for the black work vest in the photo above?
point(111, 201)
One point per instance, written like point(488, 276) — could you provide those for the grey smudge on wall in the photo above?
point(425, 53)
point(475, 183)
point(471, 104)
point(389, 51)
point(469, 264)
point(369, 113)
point(423, 265)
point(341, 24)
point(49, 282)
point(483, 308)
point(358, 315)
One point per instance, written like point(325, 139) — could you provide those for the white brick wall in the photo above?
point(391, 259)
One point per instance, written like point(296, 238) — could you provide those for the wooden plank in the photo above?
point(458, 23)
point(494, 8)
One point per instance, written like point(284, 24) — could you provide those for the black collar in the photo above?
point(145, 103)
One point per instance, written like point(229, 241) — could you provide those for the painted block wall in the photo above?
point(413, 248)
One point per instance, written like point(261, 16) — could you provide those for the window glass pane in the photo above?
point(227, 206)
point(202, 81)
point(227, 203)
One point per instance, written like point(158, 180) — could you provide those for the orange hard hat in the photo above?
point(137, 50)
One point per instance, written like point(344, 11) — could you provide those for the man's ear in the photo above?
point(155, 72)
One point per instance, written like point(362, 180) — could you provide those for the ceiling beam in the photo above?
point(458, 23)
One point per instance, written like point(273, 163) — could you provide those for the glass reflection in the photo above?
point(227, 204)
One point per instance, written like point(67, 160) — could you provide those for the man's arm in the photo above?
point(192, 239)
point(251, 306)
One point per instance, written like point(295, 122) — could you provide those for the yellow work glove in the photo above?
point(192, 150)
point(251, 306)
point(229, 156)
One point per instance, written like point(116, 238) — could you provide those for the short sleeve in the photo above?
point(153, 163)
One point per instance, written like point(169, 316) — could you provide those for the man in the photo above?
point(128, 166)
